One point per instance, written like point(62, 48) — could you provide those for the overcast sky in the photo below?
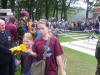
point(81, 3)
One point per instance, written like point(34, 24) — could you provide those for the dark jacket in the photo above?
point(97, 53)
point(5, 54)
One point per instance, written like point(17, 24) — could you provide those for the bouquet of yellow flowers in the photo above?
point(20, 48)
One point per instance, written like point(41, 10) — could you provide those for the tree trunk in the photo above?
point(12, 4)
point(87, 11)
point(30, 9)
point(56, 10)
point(62, 12)
point(65, 8)
point(46, 9)
point(4, 4)
point(61, 15)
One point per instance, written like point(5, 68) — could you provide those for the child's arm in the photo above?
point(30, 52)
point(59, 61)
point(18, 62)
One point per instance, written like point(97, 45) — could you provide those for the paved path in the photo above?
point(85, 46)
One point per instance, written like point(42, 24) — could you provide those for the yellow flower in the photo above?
point(21, 47)
point(14, 48)
point(18, 48)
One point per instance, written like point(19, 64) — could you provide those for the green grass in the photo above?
point(78, 63)
point(65, 39)
point(62, 37)
point(18, 70)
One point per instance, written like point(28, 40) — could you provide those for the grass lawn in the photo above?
point(77, 63)
point(62, 37)
point(65, 39)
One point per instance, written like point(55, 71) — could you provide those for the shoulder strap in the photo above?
point(45, 53)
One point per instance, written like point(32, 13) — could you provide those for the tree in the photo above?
point(12, 4)
point(46, 9)
point(56, 7)
point(40, 8)
point(89, 6)
point(65, 7)
point(4, 4)
point(87, 11)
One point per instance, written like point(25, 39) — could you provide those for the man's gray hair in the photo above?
point(2, 21)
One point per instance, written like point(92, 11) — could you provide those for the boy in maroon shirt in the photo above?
point(54, 51)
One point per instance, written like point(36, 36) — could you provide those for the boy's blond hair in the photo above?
point(28, 36)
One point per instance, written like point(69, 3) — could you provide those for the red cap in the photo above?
point(24, 13)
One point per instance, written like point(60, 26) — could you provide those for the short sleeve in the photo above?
point(58, 49)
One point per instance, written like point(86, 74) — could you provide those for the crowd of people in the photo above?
point(34, 35)
point(81, 25)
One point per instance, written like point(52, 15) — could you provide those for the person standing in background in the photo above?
point(10, 25)
point(30, 24)
point(22, 25)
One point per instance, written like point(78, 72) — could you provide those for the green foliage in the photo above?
point(74, 10)
point(65, 39)
point(37, 8)
point(18, 70)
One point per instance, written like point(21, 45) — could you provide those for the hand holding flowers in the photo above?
point(18, 49)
